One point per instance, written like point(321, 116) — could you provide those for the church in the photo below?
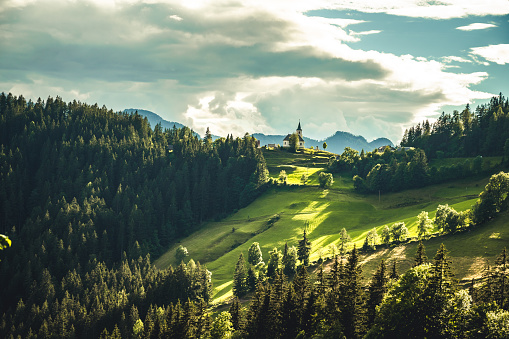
point(286, 140)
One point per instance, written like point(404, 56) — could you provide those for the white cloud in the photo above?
point(452, 58)
point(475, 26)
point(426, 9)
point(373, 31)
point(494, 53)
point(175, 17)
point(233, 67)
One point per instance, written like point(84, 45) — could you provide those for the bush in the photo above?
point(325, 179)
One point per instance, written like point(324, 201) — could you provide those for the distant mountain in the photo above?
point(154, 119)
point(335, 143)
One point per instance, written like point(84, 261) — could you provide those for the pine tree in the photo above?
point(304, 250)
point(377, 289)
point(239, 278)
point(440, 289)
point(289, 260)
point(251, 279)
point(394, 272)
point(236, 316)
point(352, 310)
point(302, 287)
point(501, 279)
point(420, 255)
point(254, 256)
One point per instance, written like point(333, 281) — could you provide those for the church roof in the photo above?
point(298, 128)
point(287, 138)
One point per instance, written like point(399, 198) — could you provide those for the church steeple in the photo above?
point(299, 130)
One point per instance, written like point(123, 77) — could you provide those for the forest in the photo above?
point(482, 133)
point(88, 197)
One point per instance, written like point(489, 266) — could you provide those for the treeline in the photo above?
point(423, 302)
point(396, 170)
point(482, 132)
point(82, 186)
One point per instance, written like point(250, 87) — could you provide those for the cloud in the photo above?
point(373, 31)
point(494, 53)
point(235, 67)
point(426, 9)
point(475, 26)
point(449, 59)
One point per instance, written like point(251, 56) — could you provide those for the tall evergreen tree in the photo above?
point(304, 249)
point(420, 255)
point(240, 278)
point(352, 311)
point(377, 289)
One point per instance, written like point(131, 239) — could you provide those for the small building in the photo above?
point(271, 145)
point(381, 149)
point(169, 148)
point(286, 140)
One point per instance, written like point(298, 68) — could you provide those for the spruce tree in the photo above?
point(394, 272)
point(377, 289)
point(438, 292)
point(302, 287)
point(254, 256)
point(501, 279)
point(352, 308)
point(420, 255)
point(239, 278)
point(236, 316)
point(304, 250)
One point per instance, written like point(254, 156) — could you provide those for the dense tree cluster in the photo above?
point(84, 191)
point(465, 133)
point(423, 302)
point(88, 300)
point(396, 170)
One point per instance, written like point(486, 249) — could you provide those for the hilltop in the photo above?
point(336, 143)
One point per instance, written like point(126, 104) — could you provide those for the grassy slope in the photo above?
point(325, 212)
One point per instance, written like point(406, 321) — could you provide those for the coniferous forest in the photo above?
point(89, 196)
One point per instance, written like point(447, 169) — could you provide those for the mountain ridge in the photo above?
point(336, 143)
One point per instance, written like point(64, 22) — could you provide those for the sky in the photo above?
point(372, 68)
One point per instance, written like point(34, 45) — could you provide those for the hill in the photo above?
point(324, 212)
point(336, 143)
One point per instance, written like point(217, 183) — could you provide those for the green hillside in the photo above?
point(325, 212)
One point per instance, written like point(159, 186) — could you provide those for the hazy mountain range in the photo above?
point(335, 143)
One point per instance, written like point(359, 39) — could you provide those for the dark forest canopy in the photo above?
point(484, 131)
point(85, 193)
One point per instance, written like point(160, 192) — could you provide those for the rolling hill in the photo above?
point(325, 212)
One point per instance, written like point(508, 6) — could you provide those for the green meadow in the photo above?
point(323, 213)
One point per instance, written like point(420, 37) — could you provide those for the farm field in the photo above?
point(325, 212)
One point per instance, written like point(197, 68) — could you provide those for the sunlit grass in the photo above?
point(324, 213)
